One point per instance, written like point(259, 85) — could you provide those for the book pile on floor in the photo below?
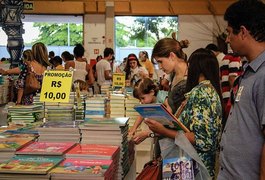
point(112, 131)
point(25, 114)
point(117, 107)
point(130, 102)
point(64, 131)
point(95, 107)
point(89, 161)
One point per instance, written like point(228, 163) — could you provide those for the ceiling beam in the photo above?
point(129, 7)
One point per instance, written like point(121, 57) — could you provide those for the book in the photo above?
point(107, 122)
point(95, 151)
point(46, 148)
point(13, 144)
point(19, 134)
point(76, 165)
point(29, 164)
point(160, 113)
point(178, 168)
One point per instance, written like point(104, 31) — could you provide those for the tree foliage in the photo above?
point(53, 34)
point(144, 31)
point(148, 30)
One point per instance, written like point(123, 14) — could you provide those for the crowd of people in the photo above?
point(224, 100)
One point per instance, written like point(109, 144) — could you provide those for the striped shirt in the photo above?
point(231, 66)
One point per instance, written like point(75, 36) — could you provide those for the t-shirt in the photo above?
point(161, 96)
point(80, 71)
point(148, 66)
point(102, 66)
point(135, 73)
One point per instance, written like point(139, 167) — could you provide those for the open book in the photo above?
point(159, 113)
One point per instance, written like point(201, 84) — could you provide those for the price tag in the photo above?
point(56, 86)
point(118, 80)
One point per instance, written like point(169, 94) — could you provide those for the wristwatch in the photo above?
point(151, 135)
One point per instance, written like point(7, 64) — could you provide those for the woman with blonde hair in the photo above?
point(38, 65)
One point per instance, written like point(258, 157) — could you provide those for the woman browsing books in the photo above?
point(202, 114)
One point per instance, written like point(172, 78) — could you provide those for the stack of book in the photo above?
point(96, 152)
point(80, 106)
point(117, 106)
point(104, 89)
point(8, 146)
point(4, 83)
point(55, 111)
point(35, 160)
point(28, 167)
point(112, 131)
point(25, 114)
point(130, 102)
point(64, 131)
point(95, 107)
point(46, 148)
point(84, 169)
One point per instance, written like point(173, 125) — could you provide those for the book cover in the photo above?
point(46, 148)
point(122, 121)
point(178, 168)
point(95, 150)
point(88, 167)
point(29, 164)
point(13, 144)
point(19, 134)
point(159, 113)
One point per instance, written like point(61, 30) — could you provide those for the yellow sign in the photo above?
point(56, 86)
point(118, 80)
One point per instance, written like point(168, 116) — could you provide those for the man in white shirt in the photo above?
point(103, 68)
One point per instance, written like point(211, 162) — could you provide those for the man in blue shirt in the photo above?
point(242, 148)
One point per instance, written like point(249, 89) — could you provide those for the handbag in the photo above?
point(31, 82)
point(152, 171)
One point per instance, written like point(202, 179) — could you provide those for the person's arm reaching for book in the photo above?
point(158, 128)
point(140, 137)
point(136, 124)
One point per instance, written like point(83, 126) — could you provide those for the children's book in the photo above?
point(29, 164)
point(178, 168)
point(159, 113)
point(88, 167)
point(13, 144)
point(46, 148)
point(105, 123)
point(94, 151)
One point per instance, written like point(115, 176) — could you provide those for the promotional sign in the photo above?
point(118, 80)
point(56, 86)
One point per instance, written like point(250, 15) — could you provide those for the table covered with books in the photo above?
point(95, 149)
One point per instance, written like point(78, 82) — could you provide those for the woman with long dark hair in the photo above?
point(202, 114)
